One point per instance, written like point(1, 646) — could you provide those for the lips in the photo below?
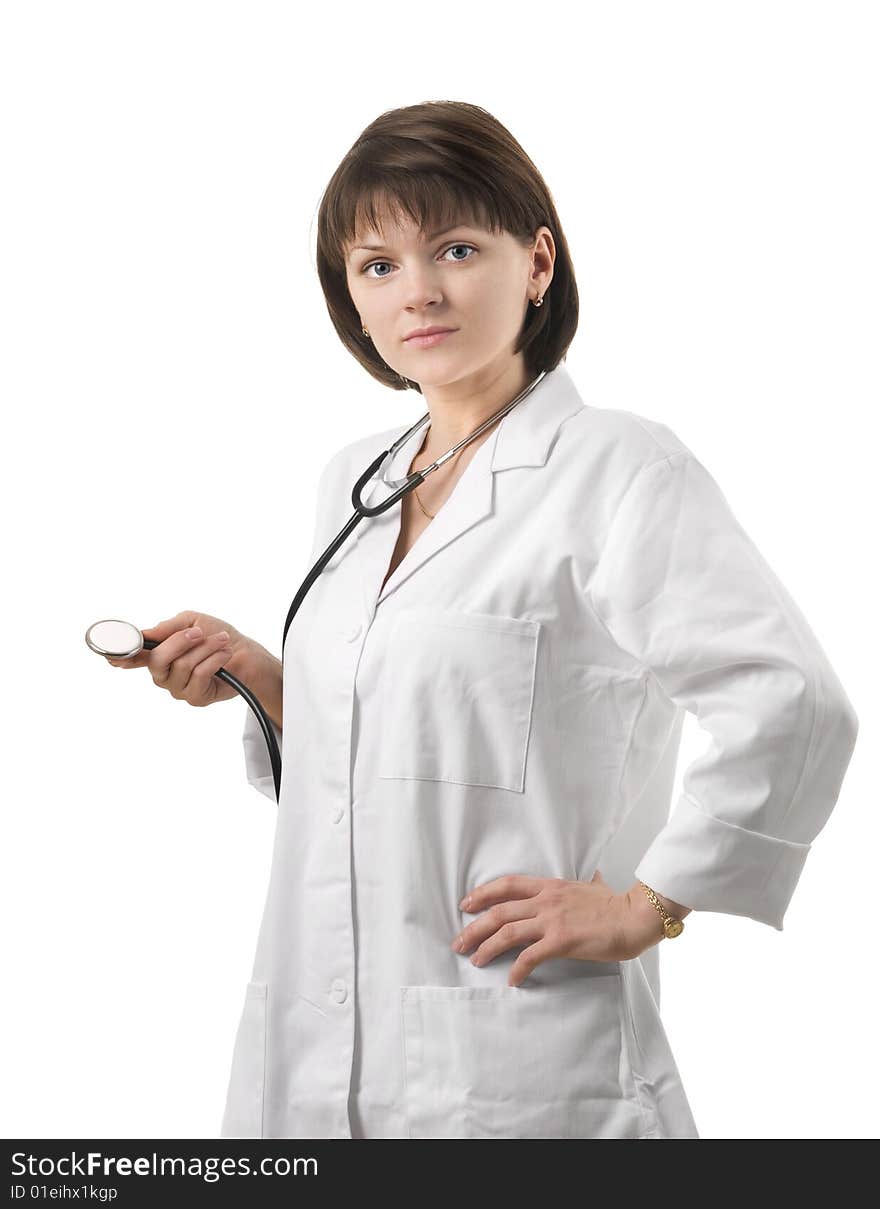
point(428, 331)
point(432, 337)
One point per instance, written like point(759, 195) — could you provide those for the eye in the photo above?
point(372, 265)
point(461, 245)
point(452, 247)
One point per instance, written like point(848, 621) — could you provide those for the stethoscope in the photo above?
point(122, 640)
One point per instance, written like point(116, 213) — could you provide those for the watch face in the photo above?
point(674, 927)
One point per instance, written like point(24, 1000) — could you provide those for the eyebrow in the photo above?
point(374, 247)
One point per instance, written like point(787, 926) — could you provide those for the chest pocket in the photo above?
point(457, 692)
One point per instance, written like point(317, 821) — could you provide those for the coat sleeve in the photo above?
point(683, 589)
point(258, 766)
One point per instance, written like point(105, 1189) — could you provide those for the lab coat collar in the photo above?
point(522, 438)
point(526, 433)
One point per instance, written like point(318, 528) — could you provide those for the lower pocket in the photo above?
point(243, 1116)
point(519, 1062)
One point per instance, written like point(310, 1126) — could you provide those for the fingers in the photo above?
point(164, 629)
point(162, 657)
point(173, 661)
point(494, 921)
point(510, 936)
point(510, 885)
point(541, 950)
point(201, 687)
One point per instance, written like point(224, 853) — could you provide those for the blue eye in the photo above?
point(451, 248)
point(461, 245)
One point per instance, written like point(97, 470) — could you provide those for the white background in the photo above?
point(172, 386)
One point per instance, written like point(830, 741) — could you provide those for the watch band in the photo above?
point(672, 927)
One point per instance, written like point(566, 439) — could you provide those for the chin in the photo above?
point(441, 374)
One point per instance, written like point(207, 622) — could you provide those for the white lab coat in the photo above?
point(511, 702)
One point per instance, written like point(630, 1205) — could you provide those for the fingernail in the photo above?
point(222, 635)
point(195, 632)
point(465, 903)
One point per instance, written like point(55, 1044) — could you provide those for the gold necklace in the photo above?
point(429, 515)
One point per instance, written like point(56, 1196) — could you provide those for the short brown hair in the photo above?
point(437, 162)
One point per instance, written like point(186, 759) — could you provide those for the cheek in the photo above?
point(359, 294)
point(498, 296)
point(501, 312)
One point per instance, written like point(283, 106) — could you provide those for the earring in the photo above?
point(539, 301)
point(364, 330)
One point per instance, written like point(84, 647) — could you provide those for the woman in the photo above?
point(483, 697)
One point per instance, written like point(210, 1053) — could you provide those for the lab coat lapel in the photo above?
point(522, 438)
point(469, 503)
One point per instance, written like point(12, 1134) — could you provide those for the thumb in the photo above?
point(164, 629)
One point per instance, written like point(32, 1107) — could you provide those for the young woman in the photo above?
point(482, 700)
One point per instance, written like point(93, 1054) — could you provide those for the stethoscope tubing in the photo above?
point(262, 716)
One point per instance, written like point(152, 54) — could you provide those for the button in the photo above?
point(338, 813)
point(338, 990)
point(354, 633)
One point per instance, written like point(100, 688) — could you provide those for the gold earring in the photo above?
point(539, 301)
point(364, 330)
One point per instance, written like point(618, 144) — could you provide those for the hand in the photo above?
point(186, 666)
point(583, 920)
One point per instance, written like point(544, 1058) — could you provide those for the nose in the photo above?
point(421, 288)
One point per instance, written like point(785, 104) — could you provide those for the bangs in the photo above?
point(431, 201)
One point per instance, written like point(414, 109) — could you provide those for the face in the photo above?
point(464, 278)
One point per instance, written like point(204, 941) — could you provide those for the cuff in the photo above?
point(708, 865)
point(258, 766)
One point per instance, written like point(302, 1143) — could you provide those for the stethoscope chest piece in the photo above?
point(120, 639)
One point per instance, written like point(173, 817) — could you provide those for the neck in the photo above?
point(457, 409)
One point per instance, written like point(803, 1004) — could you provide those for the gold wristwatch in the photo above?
point(671, 926)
